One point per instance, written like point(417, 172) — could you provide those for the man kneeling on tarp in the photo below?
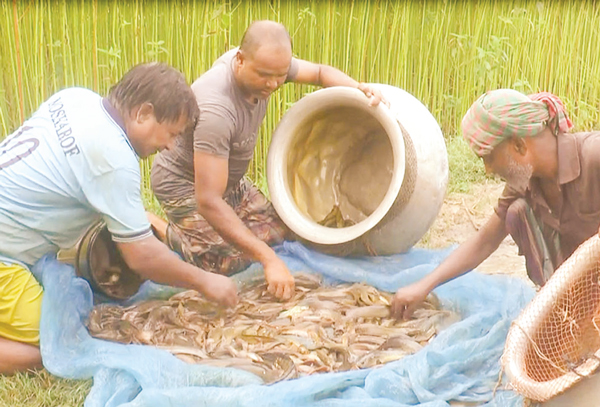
point(75, 161)
point(551, 201)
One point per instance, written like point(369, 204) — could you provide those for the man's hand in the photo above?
point(153, 260)
point(281, 282)
point(407, 299)
point(327, 76)
point(373, 93)
point(219, 289)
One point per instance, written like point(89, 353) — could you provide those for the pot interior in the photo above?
point(340, 166)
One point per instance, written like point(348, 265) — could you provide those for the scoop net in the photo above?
point(555, 342)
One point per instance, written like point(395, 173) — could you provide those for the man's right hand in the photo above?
point(407, 299)
point(219, 289)
point(279, 279)
point(152, 259)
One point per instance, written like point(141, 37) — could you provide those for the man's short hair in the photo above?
point(160, 85)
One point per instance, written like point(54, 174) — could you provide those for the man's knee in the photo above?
point(21, 304)
point(18, 357)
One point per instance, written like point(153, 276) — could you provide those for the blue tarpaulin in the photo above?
point(462, 363)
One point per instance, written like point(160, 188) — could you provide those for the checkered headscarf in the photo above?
point(500, 114)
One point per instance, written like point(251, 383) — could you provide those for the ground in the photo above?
point(462, 215)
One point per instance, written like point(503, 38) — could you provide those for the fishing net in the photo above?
point(555, 342)
point(461, 363)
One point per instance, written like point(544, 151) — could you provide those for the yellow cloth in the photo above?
point(20, 304)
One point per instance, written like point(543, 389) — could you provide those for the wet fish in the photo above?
point(321, 329)
point(335, 219)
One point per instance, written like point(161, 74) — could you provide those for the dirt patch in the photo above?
point(462, 215)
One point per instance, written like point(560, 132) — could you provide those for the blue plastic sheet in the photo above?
point(462, 363)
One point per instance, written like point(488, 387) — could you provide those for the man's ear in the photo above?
point(520, 145)
point(240, 57)
point(144, 112)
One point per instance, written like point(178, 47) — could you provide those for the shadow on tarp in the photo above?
point(462, 363)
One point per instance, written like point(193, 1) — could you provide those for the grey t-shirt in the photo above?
point(227, 127)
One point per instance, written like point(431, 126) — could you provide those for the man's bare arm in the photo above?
point(327, 76)
point(211, 174)
point(465, 258)
point(150, 258)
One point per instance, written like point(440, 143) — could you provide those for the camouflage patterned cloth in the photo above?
point(190, 235)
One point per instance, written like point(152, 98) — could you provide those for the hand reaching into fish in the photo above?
point(407, 299)
point(219, 289)
point(279, 279)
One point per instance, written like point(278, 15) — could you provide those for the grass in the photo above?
point(446, 53)
point(465, 167)
point(41, 389)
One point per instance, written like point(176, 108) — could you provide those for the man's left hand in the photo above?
point(280, 281)
point(373, 94)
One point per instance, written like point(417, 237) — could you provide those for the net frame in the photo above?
point(555, 342)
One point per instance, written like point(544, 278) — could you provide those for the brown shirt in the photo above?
point(227, 127)
point(577, 216)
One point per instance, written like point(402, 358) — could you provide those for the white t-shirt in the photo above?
point(68, 166)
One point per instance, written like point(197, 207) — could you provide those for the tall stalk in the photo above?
point(445, 53)
point(18, 60)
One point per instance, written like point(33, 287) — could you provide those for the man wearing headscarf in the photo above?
point(551, 201)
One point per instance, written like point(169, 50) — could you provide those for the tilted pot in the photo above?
point(352, 179)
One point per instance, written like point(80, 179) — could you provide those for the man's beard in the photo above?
point(518, 175)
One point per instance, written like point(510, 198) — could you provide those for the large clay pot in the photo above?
point(352, 179)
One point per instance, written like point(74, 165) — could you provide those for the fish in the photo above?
point(320, 329)
point(335, 219)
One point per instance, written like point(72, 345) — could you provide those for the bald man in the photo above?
point(218, 220)
point(551, 202)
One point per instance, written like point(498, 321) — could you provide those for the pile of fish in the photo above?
point(321, 329)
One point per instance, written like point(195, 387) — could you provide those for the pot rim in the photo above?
point(277, 179)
